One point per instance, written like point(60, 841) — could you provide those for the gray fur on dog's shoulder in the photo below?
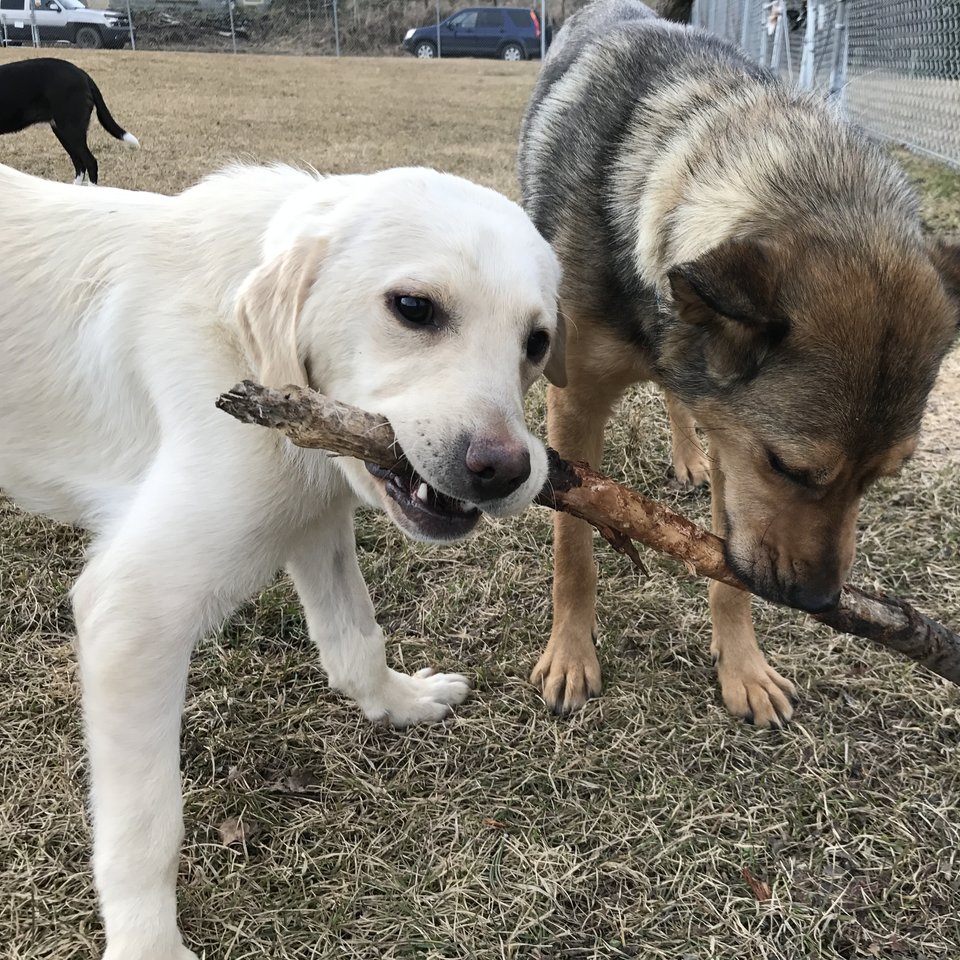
point(625, 96)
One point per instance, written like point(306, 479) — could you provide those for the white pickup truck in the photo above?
point(50, 21)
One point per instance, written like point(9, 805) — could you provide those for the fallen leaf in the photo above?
point(299, 780)
point(236, 831)
point(760, 888)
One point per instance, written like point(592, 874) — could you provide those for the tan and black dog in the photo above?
point(734, 241)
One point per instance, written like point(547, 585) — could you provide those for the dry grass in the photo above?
point(620, 832)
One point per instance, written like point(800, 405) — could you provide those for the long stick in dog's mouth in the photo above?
point(309, 419)
point(621, 515)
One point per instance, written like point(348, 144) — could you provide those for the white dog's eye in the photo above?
point(416, 310)
point(537, 344)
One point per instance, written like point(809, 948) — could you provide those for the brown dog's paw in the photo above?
point(755, 692)
point(567, 676)
point(691, 468)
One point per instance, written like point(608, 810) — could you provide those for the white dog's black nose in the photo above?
point(498, 464)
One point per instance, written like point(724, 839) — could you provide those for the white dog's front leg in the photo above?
point(342, 623)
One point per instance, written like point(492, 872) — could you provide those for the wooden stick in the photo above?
point(622, 515)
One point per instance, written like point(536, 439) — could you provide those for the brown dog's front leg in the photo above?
point(568, 672)
point(750, 687)
point(691, 467)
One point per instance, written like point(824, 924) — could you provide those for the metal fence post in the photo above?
point(233, 34)
point(764, 35)
point(439, 53)
point(336, 27)
point(543, 30)
point(745, 24)
point(785, 37)
point(838, 61)
point(133, 42)
point(780, 7)
point(807, 64)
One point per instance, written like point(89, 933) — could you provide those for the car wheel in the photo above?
point(425, 50)
point(512, 51)
point(89, 37)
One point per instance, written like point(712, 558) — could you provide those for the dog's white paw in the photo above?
point(426, 697)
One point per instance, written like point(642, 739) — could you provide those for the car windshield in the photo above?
point(71, 4)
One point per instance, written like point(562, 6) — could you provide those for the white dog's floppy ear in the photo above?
point(556, 368)
point(268, 312)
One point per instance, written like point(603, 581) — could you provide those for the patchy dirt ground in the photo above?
point(941, 424)
point(939, 189)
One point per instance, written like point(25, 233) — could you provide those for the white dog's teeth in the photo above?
point(422, 492)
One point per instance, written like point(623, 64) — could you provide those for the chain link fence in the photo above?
point(325, 27)
point(322, 27)
point(893, 65)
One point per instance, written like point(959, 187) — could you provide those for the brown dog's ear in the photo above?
point(946, 258)
point(556, 368)
point(727, 302)
point(268, 312)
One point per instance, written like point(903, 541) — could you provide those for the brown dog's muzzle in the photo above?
point(811, 586)
point(801, 561)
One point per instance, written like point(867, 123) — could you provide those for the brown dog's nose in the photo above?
point(498, 465)
point(812, 598)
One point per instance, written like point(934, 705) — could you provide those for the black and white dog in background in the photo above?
point(47, 90)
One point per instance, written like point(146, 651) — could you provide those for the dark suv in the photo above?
point(510, 33)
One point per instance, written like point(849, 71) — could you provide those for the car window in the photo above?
point(11, 4)
point(489, 18)
point(520, 18)
point(464, 21)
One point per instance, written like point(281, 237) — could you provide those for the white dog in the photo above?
point(413, 294)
